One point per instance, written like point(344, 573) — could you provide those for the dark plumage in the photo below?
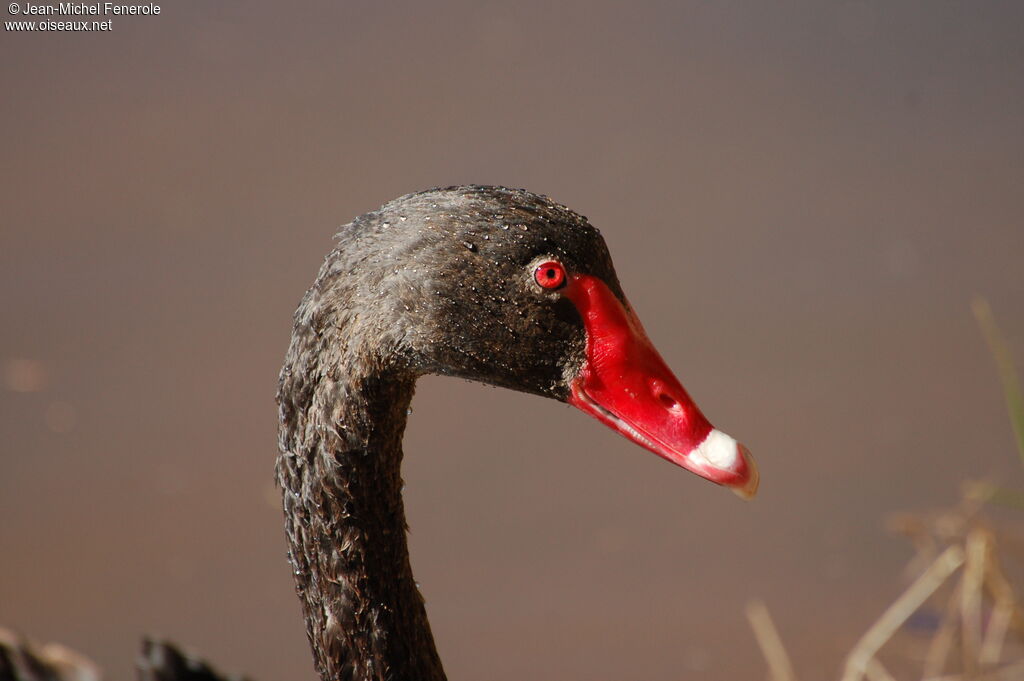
point(435, 282)
point(163, 661)
point(24, 660)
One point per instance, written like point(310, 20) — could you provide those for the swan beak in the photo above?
point(625, 384)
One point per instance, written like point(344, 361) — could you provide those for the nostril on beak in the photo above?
point(669, 401)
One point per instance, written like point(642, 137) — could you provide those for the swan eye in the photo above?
point(550, 275)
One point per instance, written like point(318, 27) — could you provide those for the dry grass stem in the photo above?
point(1003, 611)
point(999, 589)
point(779, 666)
point(897, 613)
point(876, 671)
point(971, 597)
point(942, 643)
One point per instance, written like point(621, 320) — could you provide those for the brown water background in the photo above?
point(801, 199)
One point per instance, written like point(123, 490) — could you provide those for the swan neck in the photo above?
point(339, 470)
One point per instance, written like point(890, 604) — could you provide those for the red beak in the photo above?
point(626, 385)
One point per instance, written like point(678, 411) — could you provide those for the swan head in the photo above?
point(512, 289)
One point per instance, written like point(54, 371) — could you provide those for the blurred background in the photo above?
point(801, 198)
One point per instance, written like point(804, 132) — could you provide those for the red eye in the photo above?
point(550, 275)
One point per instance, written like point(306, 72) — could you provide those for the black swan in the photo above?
point(495, 285)
point(490, 284)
